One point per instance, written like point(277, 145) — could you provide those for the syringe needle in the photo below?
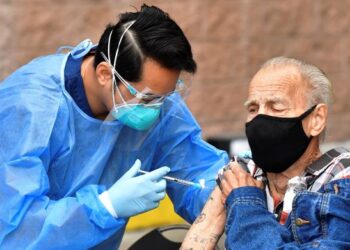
point(177, 180)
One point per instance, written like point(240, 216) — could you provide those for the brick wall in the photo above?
point(230, 39)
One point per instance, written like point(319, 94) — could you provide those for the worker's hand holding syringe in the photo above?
point(133, 194)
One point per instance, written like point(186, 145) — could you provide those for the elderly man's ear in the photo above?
point(316, 121)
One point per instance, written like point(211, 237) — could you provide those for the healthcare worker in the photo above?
point(75, 129)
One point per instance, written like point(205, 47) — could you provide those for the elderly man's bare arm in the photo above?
point(209, 225)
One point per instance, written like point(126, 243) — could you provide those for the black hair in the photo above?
point(153, 35)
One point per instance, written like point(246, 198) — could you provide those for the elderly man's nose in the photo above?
point(261, 110)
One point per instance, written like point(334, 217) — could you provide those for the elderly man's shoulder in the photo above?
point(332, 165)
point(342, 162)
point(344, 174)
point(337, 173)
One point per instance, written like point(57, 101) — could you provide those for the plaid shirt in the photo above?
point(333, 165)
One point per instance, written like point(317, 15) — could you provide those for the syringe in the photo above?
point(177, 180)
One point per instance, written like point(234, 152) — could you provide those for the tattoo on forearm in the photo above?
point(194, 237)
point(214, 238)
point(200, 218)
point(203, 241)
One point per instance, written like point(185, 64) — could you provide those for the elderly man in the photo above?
point(294, 197)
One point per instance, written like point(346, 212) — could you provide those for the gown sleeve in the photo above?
point(29, 218)
point(182, 148)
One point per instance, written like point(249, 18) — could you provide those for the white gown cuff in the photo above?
point(106, 201)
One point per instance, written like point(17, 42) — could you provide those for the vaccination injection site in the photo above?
point(163, 125)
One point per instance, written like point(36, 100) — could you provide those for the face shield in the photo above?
point(143, 108)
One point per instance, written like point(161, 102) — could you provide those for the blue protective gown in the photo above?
point(55, 160)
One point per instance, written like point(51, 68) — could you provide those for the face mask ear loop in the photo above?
point(119, 93)
point(114, 81)
point(307, 112)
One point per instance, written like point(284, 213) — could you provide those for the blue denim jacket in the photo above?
point(318, 220)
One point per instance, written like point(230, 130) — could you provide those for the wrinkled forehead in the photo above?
point(283, 83)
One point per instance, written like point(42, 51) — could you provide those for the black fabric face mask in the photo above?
point(277, 142)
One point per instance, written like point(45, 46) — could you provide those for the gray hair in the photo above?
point(321, 90)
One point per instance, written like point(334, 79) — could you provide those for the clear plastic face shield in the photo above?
point(143, 108)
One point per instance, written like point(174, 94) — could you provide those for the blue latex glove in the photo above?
point(132, 195)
